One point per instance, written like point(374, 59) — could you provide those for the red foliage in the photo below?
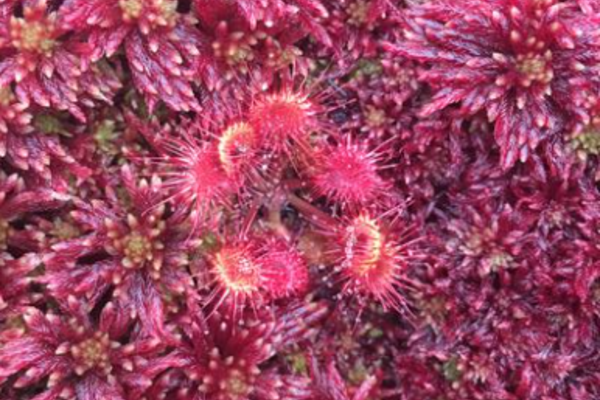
point(299, 199)
point(347, 174)
point(527, 64)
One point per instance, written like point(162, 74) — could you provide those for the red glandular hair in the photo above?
point(251, 272)
point(198, 179)
point(284, 119)
point(347, 174)
point(284, 269)
point(372, 259)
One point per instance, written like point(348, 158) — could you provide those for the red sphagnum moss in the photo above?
point(299, 199)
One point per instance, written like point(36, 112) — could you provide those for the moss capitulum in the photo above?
point(236, 385)
point(534, 67)
point(587, 142)
point(92, 353)
point(137, 248)
point(140, 246)
point(482, 244)
point(131, 9)
point(236, 50)
point(283, 57)
point(152, 13)
point(229, 378)
point(375, 117)
point(33, 36)
point(64, 230)
point(358, 12)
point(167, 10)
